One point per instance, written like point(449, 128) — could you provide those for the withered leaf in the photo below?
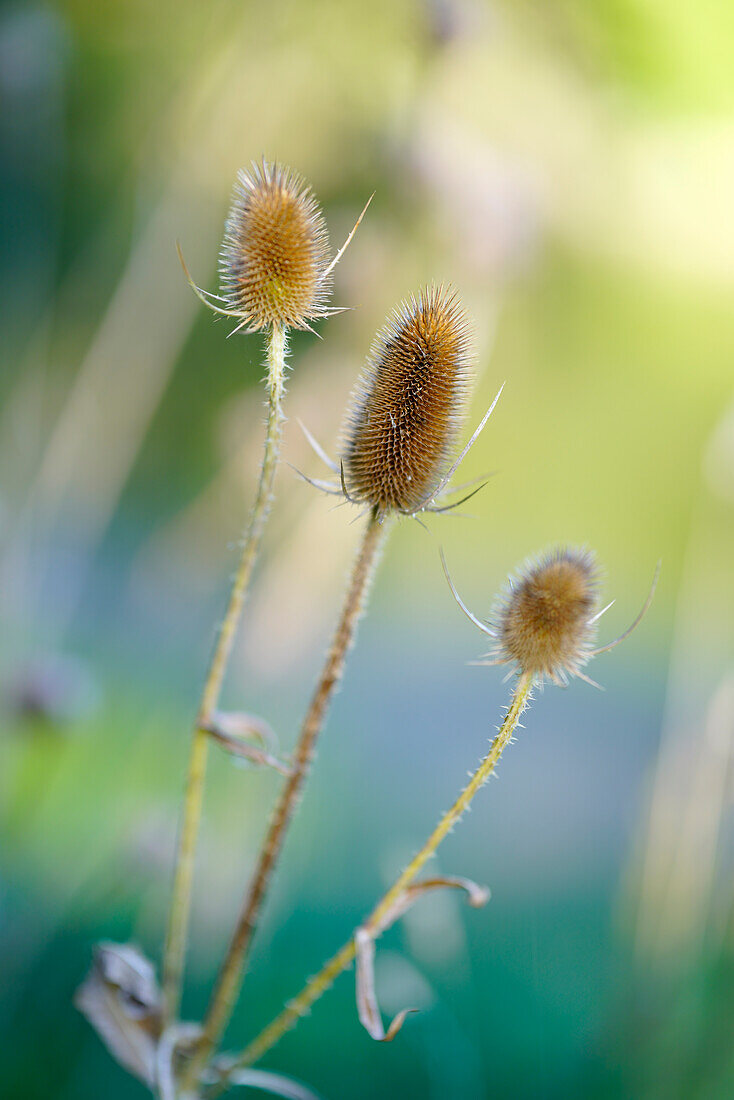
point(364, 942)
point(262, 1079)
point(233, 731)
point(121, 999)
point(477, 896)
point(367, 1006)
point(177, 1038)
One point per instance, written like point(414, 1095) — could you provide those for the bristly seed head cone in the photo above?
point(276, 250)
point(543, 621)
point(407, 408)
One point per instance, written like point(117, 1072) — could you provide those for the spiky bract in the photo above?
point(275, 255)
point(543, 622)
point(407, 407)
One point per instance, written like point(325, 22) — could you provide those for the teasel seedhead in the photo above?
point(274, 266)
point(544, 623)
point(275, 255)
point(545, 619)
point(407, 408)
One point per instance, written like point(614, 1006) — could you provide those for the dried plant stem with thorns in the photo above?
point(544, 626)
point(402, 429)
point(402, 425)
point(181, 901)
point(318, 985)
point(275, 274)
point(227, 986)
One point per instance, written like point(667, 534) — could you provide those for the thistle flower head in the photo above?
point(407, 407)
point(545, 621)
point(544, 624)
point(274, 264)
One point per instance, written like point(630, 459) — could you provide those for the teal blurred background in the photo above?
point(569, 165)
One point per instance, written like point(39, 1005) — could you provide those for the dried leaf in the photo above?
point(169, 1046)
point(245, 751)
point(233, 731)
point(367, 1006)
point(262, 1079)
point(364, 942)
point(121, 999)
point(477, 896)
point(240, 726)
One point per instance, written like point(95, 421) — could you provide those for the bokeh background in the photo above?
point(570, 167)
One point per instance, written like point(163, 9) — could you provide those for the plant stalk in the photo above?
point(318, 985)
point(230, 975)
point(178, 920)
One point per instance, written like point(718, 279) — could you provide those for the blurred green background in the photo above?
point(569, 165)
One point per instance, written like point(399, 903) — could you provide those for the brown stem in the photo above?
point(230, 975)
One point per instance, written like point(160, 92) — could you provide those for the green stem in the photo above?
point(230, 976)
point(178, 921)
point(318, 985)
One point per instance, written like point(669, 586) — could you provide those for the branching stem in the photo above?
point(230, 975)
point(318, 985)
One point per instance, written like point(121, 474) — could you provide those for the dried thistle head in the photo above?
point(407, 407)
point(545, 621)
point(544, 624)
point(274, 264)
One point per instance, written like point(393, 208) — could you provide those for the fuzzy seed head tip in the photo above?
point(407, 408)
point(543, 622)
point(275, 256)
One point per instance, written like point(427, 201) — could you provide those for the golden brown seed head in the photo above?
point(406, 410)
point(275, 251)
point(543, 622)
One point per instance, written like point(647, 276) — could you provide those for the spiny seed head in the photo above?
point(276, 250)
point(543, 621)
point(407, 407)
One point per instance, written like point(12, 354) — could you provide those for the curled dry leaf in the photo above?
point(367, 1007)
point(364, 942)
point(240, 726)
point(175, 1040)
point(476, 896)
point(121, 999)
point(234, 731)
point(262, 1079)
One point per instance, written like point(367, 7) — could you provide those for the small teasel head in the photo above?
point(407, 408)
point(274, 264)
point(544, 623)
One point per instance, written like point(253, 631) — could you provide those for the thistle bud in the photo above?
point(274, 265)
point(546, 621)
point(407, 408)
